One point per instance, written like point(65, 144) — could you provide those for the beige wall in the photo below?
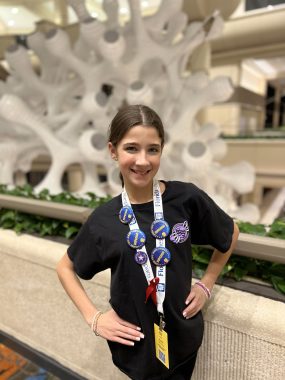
point(244, 333)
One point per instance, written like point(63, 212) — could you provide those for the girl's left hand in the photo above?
point(196, 300)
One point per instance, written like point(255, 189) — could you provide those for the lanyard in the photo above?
point(133, 225)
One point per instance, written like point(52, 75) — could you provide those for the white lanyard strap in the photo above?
point(133, 225)
point(160, 270)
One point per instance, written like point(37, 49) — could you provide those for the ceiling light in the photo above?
point(265, 66)
point(14, 10)
point(124, 10)
point(11, 22)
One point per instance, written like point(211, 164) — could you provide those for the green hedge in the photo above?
point(237, 267)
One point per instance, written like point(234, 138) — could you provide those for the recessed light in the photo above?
point(11, 22)
point(14, 10)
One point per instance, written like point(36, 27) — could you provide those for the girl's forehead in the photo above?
point(142, 131)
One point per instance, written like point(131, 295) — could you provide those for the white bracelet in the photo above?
point(94, 319)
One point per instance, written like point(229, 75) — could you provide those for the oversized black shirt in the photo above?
point(101, 244)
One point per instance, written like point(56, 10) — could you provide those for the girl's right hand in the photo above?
point(111, 327)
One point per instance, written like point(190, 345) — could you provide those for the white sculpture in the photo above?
point(66, 110)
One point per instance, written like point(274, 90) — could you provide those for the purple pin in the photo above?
point(141, 257)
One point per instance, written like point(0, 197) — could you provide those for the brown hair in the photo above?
point(130, 116)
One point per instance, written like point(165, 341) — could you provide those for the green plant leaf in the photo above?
point(71, 231)
point(278, 283)
point(239, 273)
point(44, 195)
point(8, 215)
point(277, 229)
point(227, 268)
point(198, 272)
point(8, 224)
point(277, 270)
point(203, 256)
point(248, 228)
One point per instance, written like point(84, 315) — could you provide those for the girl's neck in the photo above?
point(142, 195)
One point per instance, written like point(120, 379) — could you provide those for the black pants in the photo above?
point(184, 372)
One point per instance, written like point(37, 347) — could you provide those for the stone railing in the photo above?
point(244, 333)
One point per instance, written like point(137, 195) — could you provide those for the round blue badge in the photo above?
point(141, 257)
point(160, 229)
point(126, 214)
point(160, 256)
point(136, 239)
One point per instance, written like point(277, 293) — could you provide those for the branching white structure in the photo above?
point(65, 111)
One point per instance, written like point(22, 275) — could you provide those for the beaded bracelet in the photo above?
point(204, 287)
point(94, 320)
point(96, 323)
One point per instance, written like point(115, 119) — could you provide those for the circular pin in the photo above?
point(136, 238)
point(141, 257)
point(126, 214)
point(160, 229)
point(160, 256)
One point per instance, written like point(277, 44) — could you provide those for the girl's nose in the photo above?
point(142, 158)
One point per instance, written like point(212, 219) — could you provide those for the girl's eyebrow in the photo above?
point(135, 143)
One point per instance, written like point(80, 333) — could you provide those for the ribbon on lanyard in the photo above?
point(156, 285)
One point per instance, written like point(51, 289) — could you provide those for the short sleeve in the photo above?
point(86, 251)
point(210, 224)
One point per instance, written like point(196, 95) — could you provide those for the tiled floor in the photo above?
point(15, 367)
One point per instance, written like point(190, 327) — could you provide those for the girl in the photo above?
point(154, 327)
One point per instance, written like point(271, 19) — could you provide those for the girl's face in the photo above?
point(138, 155)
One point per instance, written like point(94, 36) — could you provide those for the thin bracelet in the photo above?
point(94, 320)
point(204, 287)
point(96, 323)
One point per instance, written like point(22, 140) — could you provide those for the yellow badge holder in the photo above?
point(161, 343)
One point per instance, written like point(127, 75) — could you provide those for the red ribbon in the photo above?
point(151, 290)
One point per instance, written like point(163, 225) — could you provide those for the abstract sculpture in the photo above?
point(65, 110)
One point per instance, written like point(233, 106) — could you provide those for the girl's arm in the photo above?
point(110, 326)
point(197, 297)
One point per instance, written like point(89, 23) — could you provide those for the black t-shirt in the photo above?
point(194, 218)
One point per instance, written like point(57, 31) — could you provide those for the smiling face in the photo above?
point(138, 154)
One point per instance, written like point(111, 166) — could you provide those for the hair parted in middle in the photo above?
point(130, 116)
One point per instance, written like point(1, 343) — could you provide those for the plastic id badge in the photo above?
point(161, 345)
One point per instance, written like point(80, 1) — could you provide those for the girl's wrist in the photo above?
point(208, 281)
point(205, 289)
point(89, 316)
point(94, 323)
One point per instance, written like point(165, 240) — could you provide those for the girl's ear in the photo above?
point(112, 150)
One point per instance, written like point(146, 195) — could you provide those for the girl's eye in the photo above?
point(130, 148)
point(154, 150)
